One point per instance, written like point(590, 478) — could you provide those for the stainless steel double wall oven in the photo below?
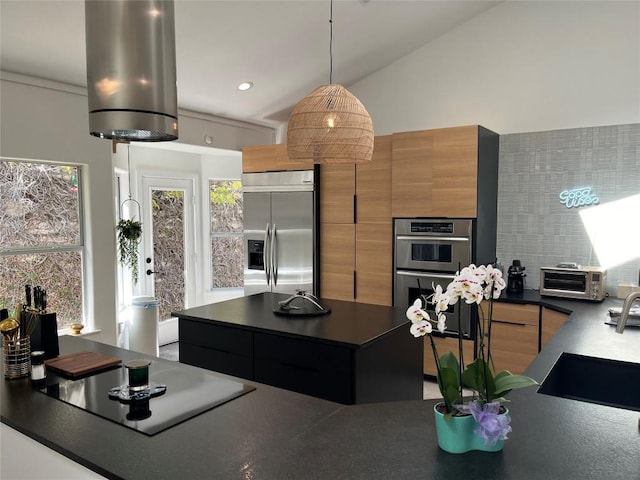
point(427, 253)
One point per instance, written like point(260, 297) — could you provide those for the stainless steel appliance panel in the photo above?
point(280, 232)
point(409, 285)
point(587, 283)
point(257, 226)
point(433, 245)
point(292, 242)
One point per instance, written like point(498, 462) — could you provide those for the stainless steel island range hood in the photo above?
point(131, 69)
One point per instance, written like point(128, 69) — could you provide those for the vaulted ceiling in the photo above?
point(280, 46)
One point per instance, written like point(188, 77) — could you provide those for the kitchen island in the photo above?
point(272, 433)
point(355, 353)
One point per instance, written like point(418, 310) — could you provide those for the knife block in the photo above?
point(45, 335)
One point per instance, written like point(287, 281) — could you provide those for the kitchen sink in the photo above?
point(594, 380)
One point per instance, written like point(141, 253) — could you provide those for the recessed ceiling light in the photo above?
point(245, 86)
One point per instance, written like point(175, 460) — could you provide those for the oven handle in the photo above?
point(430, 239)
point(413, 273)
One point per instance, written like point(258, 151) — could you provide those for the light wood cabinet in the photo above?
point(444, 345)
point(374, 249)
point(337, 193)
point(513, 346)
point(514, 336)
point(515, 312)
point(358, 193)
point(355, 262)
point(373, 185)
point(552, 321)
point(411, 176)
point(454, 184)
point(444, 173)
point(337, 261)
point(270, 158)
point(518, 333)
point(356, 229)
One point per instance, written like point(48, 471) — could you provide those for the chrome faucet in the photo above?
point(624, 315)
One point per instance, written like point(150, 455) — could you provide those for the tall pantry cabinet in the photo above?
point(449, 173)
point(356, 229)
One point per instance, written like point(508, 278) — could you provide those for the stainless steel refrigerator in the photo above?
point(280, 232)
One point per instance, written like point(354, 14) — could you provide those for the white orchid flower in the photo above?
point(421, 328)
point(415, 313)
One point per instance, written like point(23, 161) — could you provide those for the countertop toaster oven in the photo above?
point(574, 281)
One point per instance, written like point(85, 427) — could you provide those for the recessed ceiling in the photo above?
point(280, 46)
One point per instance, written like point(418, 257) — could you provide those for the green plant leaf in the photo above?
point(505, 381)
point(477, 376)
point(450, 379)
point(129, 232)
point(449, 360)
point(450, 385)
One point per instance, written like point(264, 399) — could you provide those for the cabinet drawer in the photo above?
point(513, 346)
point(217, 360)
point(515, 313)
point(214, 337)
point(304, 366)
point(444, 345)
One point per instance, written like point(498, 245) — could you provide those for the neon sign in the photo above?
point(578, 197)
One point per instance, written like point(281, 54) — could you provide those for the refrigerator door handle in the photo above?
point(266, 256)
point(274, 254)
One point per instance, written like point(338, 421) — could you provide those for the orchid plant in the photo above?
point(472, 285)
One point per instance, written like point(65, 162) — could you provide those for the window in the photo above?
point(225, 200)
point(41, 236)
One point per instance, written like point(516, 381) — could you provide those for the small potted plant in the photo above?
point(485, 415)
point(129, 233)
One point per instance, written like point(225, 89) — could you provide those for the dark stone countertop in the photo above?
point(276, 434)
point(348, 324)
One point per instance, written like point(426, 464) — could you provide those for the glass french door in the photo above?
point(169, 262)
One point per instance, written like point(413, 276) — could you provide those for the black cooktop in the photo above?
point(188, 393)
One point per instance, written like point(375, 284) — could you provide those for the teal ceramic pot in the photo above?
point(456, 434)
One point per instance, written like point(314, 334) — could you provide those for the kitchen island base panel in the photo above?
point(359, 353)
point(389, 368)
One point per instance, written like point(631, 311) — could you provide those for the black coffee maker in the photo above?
point(515, 280)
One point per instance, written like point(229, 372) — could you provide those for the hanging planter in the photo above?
point(129, 235)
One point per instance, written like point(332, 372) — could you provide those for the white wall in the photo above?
point(519, 67)
point(47, 121)
point(204, 165)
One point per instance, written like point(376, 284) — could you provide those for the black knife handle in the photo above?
point(27, 294)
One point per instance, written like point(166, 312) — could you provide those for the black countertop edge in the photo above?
point(530, 296)
point(375, 320)
point(57, 448)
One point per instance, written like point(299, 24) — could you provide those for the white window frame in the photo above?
point(79, 248)
point(213, 234)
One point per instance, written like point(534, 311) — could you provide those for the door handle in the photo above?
point(274, 254)
point(149, 271)
point(266, 256)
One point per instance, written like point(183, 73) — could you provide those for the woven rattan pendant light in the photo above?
point(330, 125)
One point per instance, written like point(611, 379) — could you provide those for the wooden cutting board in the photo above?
point(81, 363)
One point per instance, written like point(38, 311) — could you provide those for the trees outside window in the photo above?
point(41, 236)
point(225, 200)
